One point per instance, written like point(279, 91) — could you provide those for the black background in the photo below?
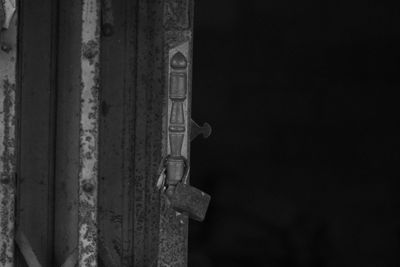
point(303, 161)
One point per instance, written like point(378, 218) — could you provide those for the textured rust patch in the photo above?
point(88, 173)
point(7, 148)
point(7, 168)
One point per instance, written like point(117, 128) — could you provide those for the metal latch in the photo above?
point(174, 169)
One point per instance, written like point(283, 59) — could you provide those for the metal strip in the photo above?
point(178, 42)
point(88, 173)
point(8, 59)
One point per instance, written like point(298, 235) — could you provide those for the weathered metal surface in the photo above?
point(176, 135)
point(8, 58)
point(88, 173)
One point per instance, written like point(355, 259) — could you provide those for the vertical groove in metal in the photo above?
point(130, 78)
point(88, 173)
point(177, 67)
point(8, 54)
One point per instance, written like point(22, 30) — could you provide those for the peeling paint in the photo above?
point(7, 146)
point(88, 173)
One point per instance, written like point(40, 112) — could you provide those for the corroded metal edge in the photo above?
point(178, 39)
point(7, 143)
point(88, 173)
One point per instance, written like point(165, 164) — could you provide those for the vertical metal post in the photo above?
point(8, 59)
point(178, 46)
point(88, 173)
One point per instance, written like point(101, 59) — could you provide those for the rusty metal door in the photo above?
point(94, 95)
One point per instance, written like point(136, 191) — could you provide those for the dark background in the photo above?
point(303, 161)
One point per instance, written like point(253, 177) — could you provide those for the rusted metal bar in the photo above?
point(88, 173)
point(176, 135)
point(8, 59)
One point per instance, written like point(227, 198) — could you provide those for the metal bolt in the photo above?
point(88, 187)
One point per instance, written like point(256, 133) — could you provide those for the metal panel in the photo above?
point(8, 54)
